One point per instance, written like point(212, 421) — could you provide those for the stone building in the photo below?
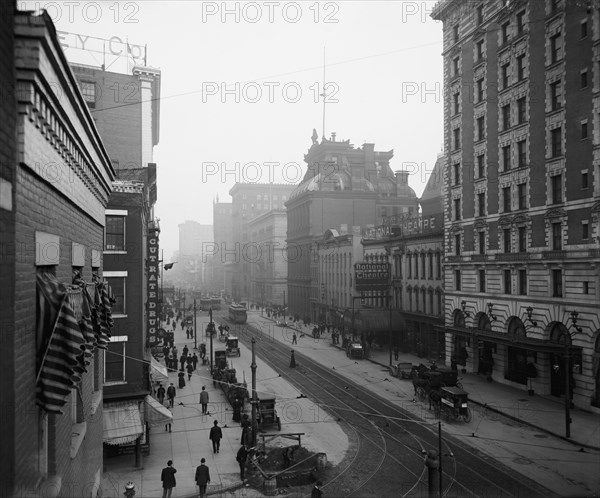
point(56, 182)
point(521, 191)
point(222, 237)
point(342, 185)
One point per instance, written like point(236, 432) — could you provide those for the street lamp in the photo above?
point(568, 368)
point(463, 305)
point(491, 312)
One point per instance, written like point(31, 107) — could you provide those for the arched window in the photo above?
point(459, 318)
point(484, 323)
point(559, 334)
point(516, 329)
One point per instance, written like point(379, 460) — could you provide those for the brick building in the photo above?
point(53, 217)
point(342, 185)
point(521, 190)
point(267, 256)
point(248, 201)
point(222, 237)
point(195, 255)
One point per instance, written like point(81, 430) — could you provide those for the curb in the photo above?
point(219, 491)
point(517, 419)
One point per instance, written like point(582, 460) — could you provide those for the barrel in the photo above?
point(270, 487)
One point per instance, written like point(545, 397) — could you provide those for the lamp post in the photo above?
point(568, 369)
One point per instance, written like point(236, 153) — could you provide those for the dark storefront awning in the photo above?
point(157, 414)
point(122, 422)
point(377, 320)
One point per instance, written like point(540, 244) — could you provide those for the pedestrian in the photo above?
point(204, 400)
point(190, 369)
point(185, 350)
point(195, 360)
point(316, 491)
point(181, 376)
point(182, 325)
point(171, 392)
point(215, 436)
point(241, 458)
point(294, 339)
point(182, 360)
point(168, 479)
point(160, 394)
point(202, 477)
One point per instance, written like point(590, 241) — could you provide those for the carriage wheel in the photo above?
point(459, 385)
point(468, 416)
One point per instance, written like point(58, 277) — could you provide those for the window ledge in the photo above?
point(96, 401)
point(119, 315)
point(115, 383)
point(77, 437)
point(113, 251)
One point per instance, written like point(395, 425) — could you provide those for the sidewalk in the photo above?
point(545, 413)
point(188, 442)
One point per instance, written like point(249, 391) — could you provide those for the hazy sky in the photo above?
point(384, 74)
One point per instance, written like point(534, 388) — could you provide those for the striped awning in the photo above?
point(156, 414)
point(122, 422)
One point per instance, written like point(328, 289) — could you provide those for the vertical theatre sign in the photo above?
point(152, 297)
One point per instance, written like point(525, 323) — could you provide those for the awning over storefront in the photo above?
point(122, 422)
point(158, 372)
point(377, 320)
point(156, 414)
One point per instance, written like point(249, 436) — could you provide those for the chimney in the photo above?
point(401, 177)
point(333, 136)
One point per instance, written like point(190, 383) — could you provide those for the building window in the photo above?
point(557, 283)
point(521, 67)
point(480, 94)
point(88, 90)
point(523, 282)
point(115, 233)
point(507, 282)
point(430, 276)
point(505, 33)
point(506, 117)
point(507, 241)
point(409, 265)
point(481, 280)
point(554, 5)
point(117, 285)
point(556, 95)
point(114, 362)
point(522, 192)
point(522, 153)
point(586, 287)
point(457, 245)
point(480, 14)
point(521, 110)
point(584, 29)
point(585, 230)
point(438, 265)
point(556, 141)
point(521, 22)
point(456, 103)
point(584, 130)
point(556, 236)
point(481, 203)
point(456, 138)
point(416, 258)
point(457, 174)
point(479, 50)
point(555, 48)
point(482, 242)
point(505, 76)
point(481, 165)
point(457, 280)
point(522, 239)
point(584, 78)
point(506, 199)
point(506, 158)
point(455, 66)
point(584, 180)
point(556, 183)
point(480, 128)
point(455, 33)
point(457, 209)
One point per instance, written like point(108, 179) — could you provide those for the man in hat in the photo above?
point(202, 477)
point(204, 400)
point(241, 457)
point(215, 436)
point(168, 479)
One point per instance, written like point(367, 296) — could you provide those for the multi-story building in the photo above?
point(248, 201)
point(56, 182)
point(192, 238)
point(195, 254)
point(222, 236)
point(267, 255)
point(521, 190)
point(131, 250)
point(342, 185)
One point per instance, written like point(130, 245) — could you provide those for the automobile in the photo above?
point(281, 323)
point(355, 350)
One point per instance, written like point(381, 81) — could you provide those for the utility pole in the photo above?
point(389, 300)
point(162, 279)
point(440, 455)
point(211, 328)
point(195, 337)
point(254, 401)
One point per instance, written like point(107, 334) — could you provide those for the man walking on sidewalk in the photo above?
point(294, 340)
point(171, 391)
point(168, 479)
point(215, 436)
point(204, 400)
point(202, 477)
point(241, 457)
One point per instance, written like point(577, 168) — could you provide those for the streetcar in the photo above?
point(215, 302)
point(237, 314)
point(205, 303)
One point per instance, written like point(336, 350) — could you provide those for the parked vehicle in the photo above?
point(205, 303)
point(233, 348)
point(237, 314)
point(267, 414)
point(281, 323)
point(401, 370)
point(215, 302)
point(452, 404)
point(355, 350)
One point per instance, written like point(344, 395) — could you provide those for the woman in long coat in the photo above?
point(181, 376)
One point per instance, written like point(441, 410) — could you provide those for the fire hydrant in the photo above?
point(129, 489)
